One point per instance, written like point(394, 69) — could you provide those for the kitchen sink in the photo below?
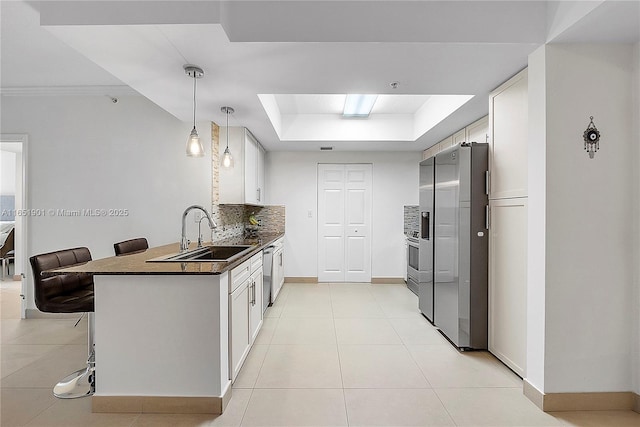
point(207, 254)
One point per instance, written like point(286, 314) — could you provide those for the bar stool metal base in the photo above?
point(79, 384)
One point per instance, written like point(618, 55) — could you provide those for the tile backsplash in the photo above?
point(411, 218)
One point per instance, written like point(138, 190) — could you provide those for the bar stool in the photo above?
point(131, 246)
point(7, 252)
point(67, 293)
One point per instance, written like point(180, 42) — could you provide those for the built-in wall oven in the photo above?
point(413, 260)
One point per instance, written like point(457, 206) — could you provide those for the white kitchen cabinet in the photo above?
point(478, 131)
point(255, 303)
point(459, 137)
point(278, 271)
point(244, 183)
point(260, 178)
point(245, 310)
point(508, 134)
point(239, 328)
point(508, 282)
point(445, 143)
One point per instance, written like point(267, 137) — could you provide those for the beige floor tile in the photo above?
point(379, 366)
point(298, 408)
point(365, 331)
point(306, 307)
point(174, 420)
point(417, 330)
point(304, 331)
point(348, 305)
point(300, 366)
point(598, 418)
point(493, 407)
point(77, 413)
point(21, 405)
point(396, 301)
point(251, 368)
point(274, 311)
point(48, 331)
point(350, 288)
point(396, 407)
point(232, 416)
point(49, 369)
point(16, 357)
point(266, 331)
point(444, 366)
point(281, 299)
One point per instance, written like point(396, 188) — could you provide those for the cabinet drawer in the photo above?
point(239, 275)
point(256, 262)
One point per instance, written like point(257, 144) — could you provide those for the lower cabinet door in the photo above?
point(239, 327)
point(255, 304)
point(508, 282)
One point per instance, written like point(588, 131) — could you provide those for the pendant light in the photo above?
point(227, 160)
point(194, 145)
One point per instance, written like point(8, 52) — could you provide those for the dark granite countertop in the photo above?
point(136, 263)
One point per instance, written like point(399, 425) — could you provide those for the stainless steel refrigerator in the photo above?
point(425, 253)
point(455, 228)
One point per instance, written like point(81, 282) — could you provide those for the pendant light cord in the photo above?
point(227, 128)
point(194, 99)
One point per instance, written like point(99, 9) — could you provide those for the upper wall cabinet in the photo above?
point(478, 131)
point(244, 183)
point(508, 132)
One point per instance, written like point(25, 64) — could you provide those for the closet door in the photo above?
point(344, 222)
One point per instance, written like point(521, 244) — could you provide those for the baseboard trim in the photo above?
point(533, 394)
point(33, 313)
point(160, 404)
point(301, 280)
point(595, 401)
point(387, 281)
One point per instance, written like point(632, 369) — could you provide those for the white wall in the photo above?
point(588, 240)
point(536, 219)
point(7, 173)
point(292, 182)
point(89, 153)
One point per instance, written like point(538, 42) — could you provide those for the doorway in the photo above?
point(344, 222)
point(13, 153)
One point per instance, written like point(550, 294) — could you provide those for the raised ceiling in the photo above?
point(286, 48)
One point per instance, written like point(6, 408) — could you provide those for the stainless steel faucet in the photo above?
point(184, 242)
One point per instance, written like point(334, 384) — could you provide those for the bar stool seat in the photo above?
point(131, 246)
point(67, 293)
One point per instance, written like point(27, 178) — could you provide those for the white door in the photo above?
point(344, 222)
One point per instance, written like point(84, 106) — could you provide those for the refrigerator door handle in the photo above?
point(425, 225)
point(487, 182)
point(487, 217)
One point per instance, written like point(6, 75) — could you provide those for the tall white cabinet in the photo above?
point(508, 195)
point(244, 183)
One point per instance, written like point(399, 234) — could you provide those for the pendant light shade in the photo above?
point(194, 145)
point(227, 159)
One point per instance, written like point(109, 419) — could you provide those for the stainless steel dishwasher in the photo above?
point(267, 275)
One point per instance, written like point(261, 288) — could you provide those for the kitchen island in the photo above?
point(162, 330)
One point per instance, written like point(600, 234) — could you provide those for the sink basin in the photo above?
point(207, 254)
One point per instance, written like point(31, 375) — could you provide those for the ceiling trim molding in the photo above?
point(112, 91)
